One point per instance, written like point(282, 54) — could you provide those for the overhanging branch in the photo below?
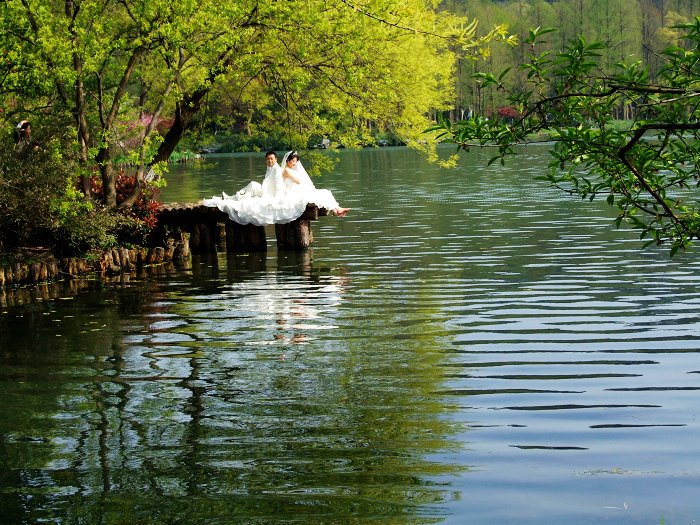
point(393, 24)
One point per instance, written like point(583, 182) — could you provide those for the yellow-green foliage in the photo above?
point(333, 68)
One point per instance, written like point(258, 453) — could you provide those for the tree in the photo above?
point(649, 169)
point(122, 68)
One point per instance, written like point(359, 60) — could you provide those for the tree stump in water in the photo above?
point(295, 235)
point(245, 238)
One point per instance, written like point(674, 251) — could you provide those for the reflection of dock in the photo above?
point(209, 226)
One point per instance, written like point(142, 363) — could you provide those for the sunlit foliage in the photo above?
point(647, 167)
point(312, 67)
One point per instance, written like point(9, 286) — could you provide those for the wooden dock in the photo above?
point(209, 228)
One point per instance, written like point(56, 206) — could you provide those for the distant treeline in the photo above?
point(633, 30)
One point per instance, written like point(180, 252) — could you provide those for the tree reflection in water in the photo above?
point(233, 392)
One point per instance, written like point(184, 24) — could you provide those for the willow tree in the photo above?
point(122, 67)
point(648, 167)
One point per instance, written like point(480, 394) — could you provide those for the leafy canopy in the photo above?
point(132, 74)
point(647, 167)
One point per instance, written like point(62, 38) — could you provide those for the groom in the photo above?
point(273, 182)
point(273, 177)
point(270, 160)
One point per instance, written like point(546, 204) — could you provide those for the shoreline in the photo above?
point(109, 263)
point(20, 296)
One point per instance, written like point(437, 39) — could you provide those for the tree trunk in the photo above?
point(108, 182)
point(188, 108)
point(104, 155)
point(184, 112)
point(79, 110)
point(83, 133)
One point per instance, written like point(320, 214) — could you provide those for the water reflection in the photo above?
point(468, 345)
point(221, 393)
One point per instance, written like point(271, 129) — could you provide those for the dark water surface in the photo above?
point(467, 346)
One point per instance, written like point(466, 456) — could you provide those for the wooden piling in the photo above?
point(204, 226)
point(295, 235)
point(245, 238)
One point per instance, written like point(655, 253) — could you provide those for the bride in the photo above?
point(281, 198)
point(298, 182)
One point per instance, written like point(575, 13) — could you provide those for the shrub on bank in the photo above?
point(133, 224)
point(40, 204)
point(241, 142)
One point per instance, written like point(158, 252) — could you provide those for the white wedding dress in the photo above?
point(277, 200)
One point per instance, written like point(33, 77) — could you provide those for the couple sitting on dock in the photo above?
point(281, 198)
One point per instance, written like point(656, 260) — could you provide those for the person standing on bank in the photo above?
point(23, 139)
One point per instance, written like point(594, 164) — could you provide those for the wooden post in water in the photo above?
point(203, 237)
point(295, 235)
point(245, 238)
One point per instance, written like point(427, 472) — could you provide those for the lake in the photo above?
point(466, 346)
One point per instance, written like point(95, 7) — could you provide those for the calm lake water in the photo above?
point(466, 346)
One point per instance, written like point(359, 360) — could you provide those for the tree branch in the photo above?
point(654, 89)
point(121, 88)
point(392, 24)
point(670, 100)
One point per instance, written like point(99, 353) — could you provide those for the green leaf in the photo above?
point(493, 159)
point(503, 73)
point(573, 98)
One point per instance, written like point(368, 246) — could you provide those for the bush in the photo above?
point(41, 205)
point(38, 203)
point(241, 142)
point(84, 227)
point(134, 224)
